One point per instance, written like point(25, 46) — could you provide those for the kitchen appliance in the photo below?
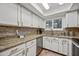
point(20, 34)
point(39, 45)
point(75, 47)
point(39, 31)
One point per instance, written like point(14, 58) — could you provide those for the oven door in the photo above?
point(75, 49)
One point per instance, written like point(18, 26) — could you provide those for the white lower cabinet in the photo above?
point(46, 43)
point(60, 45)
point(26, 49)
point(31, 48)
point(31, 51)
point(54, 44)
point(64, 46)
point(21, 53)
point(70, 47)
point(50, 43)
point(15, 51)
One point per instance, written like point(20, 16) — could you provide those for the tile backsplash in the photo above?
point(11, 31)
point(54, 32)
point(65, 32)
point(75, 31)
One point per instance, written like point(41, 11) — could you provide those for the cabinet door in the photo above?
point(54, 44)
point(39, 23)
point(35, 21)
point(26, 17)
point(71, 19)
point(63, 44)
point(65, 48)
point(70, 48)
point(46, 43)
point(8, 13)
point(31, 51)
point(42, 23)
point(60, 45)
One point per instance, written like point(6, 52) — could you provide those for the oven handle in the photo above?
point(77, 45)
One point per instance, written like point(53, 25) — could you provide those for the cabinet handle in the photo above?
point(27, 51)
point(51, 41)
point(32, 42)
point(67, 25)
point(23, 52)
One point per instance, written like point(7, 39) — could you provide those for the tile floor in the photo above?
point(48, 53)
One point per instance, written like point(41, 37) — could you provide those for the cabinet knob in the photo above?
point(67, 25)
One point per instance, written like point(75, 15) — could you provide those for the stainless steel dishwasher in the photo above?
point(39, 43)
point(75, 47)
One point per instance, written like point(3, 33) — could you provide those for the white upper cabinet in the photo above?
point(72, 19)
point(41, 23)
point(26, 17)
point(29, 19)
point(78, 19)
point(36, 21)
point(14, 14)
point(8, 14)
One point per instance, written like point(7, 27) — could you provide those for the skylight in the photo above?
point(46, 6)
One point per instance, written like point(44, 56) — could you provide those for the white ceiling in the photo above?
point(55, 8)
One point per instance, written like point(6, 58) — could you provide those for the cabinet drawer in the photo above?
point(17, 49)
point(30, 43)
point(19, 53)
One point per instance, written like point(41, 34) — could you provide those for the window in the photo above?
point(49, 24)
point(57, 23)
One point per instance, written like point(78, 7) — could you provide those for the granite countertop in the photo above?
point(62, 36)
point(8, 43)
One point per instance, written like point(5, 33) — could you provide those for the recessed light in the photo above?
point(61, 3)
point(46, 6)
